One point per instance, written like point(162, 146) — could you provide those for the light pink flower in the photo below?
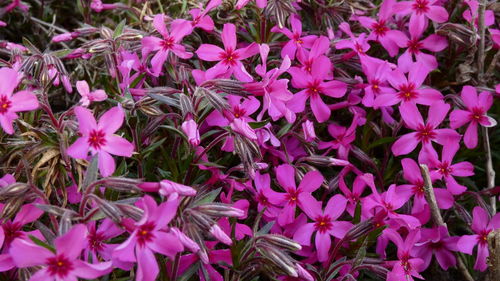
point(87, 95)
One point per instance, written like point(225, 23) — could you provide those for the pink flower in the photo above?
point(265, 196)
point(229, 59)
point(190, 128)
point(200, 18)
point(297, 41)
point(420, 209)
point(343, 137)
point(314, 86)
point(409, 90)
point(445, 169)
point(242, 3)
point(97, 236)
point(425, 132)
point(407, 266)
point(324, 224)
point(475, 113)
point(482, 226)
point(380, 31)
point(376, 72)
point(64, 263)
point(308, 130)
point(359, 45)
point(10, 103)
point(421, 10)
point(166, 188)
point(437, 242)
point(433, 43)
point(87, 95)
point(149, 236)
point(100, 139)
point(169, 42)
point(294, 195)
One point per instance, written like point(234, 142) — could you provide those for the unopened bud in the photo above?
point(281, 241)
point(220, 235)
point(13, 190)
point(220, 210)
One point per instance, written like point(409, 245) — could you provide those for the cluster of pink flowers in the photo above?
point(230, 150)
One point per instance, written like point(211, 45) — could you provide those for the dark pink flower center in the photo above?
point(262, 199)
point(314, 88)
point(425, 133)
point(407, 92)
point(444, 168)
point(12, 230)
point(96, 241)
point(483, 236)
point(421, 6)
point(239, 112)
point(292, 196)
point(145, 233)
point(358, 48)
point(323, 223)
point(375, 85)
point(59, 266)
point(168, 43)
point(380, 28)
point(418, 188)
point(405, 263)
point(476, 114)
point(229, 57)
point(414, 46)
point(297, 39)
point(5, 104)
point(436, 245)
point(97, 138)
point(388, 206)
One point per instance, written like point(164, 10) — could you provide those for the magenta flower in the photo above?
point(200, 18)
point(437, 242)
point(64, 263)
point(10, 103)
point(324, 224)
point(166, 188)
point(343, 137)
point(482, 226)
point(421, 10)
point(229, 59)
point(317, 53)
point(242, 3)
point(425, 132)
point(297, 41)
point(87, 95)
point(420, 209)
point(97, 237)
point(445, 169)
point(407, 266)
point(409, 90)
point(433, 43)
point(294, 195)
point(170, 42)
point(265, 196)
point(314, 85)
point(149, 236)
point(376, 72)
point(380, 31)
point(190, 128)
point(359, 45)
point(475, 113)
point(100, 139)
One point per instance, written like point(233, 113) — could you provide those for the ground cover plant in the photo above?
point(249, 140)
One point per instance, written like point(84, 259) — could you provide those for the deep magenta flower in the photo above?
point(64, 263)
point(482, 226)
point(407, 266)
point(381, 32)
point(10, 103)
point(358, 45)
point(376, 72)
point(265, 196)
point(242, 3)
point(100, 139)
point(414, 47)
point(420, 209)
point(229, 59)
point(444, 169)
point(420, 11)
point(297, 40)
point(425, 132)
point(343, 137)
point(314, 86)
point(324, 224)
point(170, 42)
point(87, 95)
point(475, 113)
point(294, 195)
point(149, 236)
point(200, 17)
point(97, 237)
point(437, 242)
point(409, 90)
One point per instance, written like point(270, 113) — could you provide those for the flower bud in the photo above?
point(281, 241)
point(308, 130)
point(190, 128)
point(220, 235)
point(220, 210)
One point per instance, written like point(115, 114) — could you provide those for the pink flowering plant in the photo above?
point(249, 140)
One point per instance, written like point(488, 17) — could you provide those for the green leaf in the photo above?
point(284, 130)
point(42, 244)
point(166, 100)
point(257, 125)
point(92, 172)
point(32, 48)
point(119, 28)
point(357, 213)
point(380, 142)
point(208, 198)
point(265, 229)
